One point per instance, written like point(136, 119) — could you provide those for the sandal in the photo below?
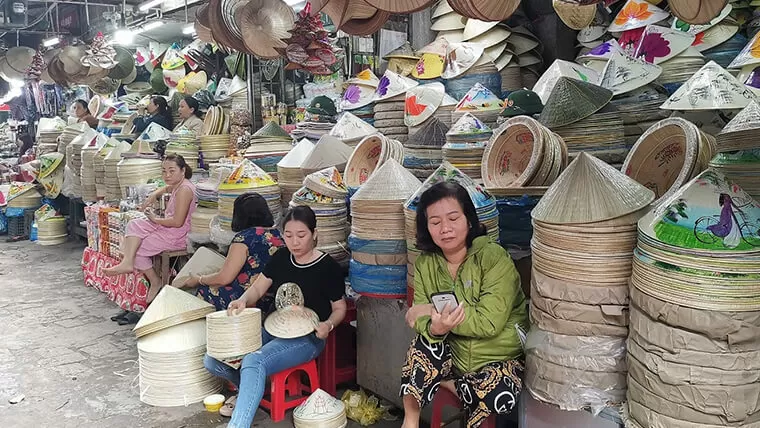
point(130, 318)
point(229, 407)
point(120, 315)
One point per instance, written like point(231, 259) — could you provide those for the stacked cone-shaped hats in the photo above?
point(329, 151)
point(480, 102)
point(110, 171)
point(247, 177)
point(359, 94)
point(185, 143)
point(423, 151)
point(351, 130)
point(320, 410)
point(289, 174)
point(466, 141)
point(139, 165)
point(369, 155)
point(268, 146)
point(389, 105)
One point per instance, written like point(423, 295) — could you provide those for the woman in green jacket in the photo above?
point(472, 349)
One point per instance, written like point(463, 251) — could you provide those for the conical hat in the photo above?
point(18, 188)
point(448, 22)
point(320, 406)
point(453, 36)
point(448, 101)
point(701, 28)
point(140, 149)
point(296, 155)
point(590, 191)
point(696, 11)
point(49, 162)
point(475, 27)
point(746, 120)
point(204, 262)
point(439, 46)
point(393, 84)
point(659, 44)
point(365, 77)
point(575, 16)
point(461, 57)
point(273, 130)
point(573, 100)
point(710, 88)
point(327, 182)
point(479, 98)
point(720, 34)
point(432, 134)
point(709, 215)
point(329, 151)
point(116, 152)
point(442, 8)
point(171, 306)
point(350, 127)
point(247, 175)
point(602, 51)
point(155, 132)
point(429, 66)
point(636, 14)
point(468, 125)
point(624, 73)
point(448, 172)
point(421, 102)
point(291, 322)
point(357, 96)
point(522, 41)
point(561, 68)
point(108, 146)
point(52, 183)
point(494, 36)
point(749, 55)
point(390, 182)
point(404, 51)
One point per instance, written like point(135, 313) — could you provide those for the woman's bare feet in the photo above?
point(153, 292)
point(121, 268)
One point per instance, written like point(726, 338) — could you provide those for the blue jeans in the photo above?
point(275, 356)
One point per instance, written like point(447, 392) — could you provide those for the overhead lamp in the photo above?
point(188, 29)
point(149, 5)
point(51, 42)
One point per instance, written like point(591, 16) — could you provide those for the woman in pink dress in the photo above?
point(148, 237)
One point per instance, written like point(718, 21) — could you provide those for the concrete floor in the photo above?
point(74, 365)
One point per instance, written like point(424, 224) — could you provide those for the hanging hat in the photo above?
point(365, 77)
point(421, 102)
point(192, 83)
point(575, 16)
point(273, 21)
point(636, 14)
point(49, 162)
point(492, 37)
point(448, 22)
point(351, 128)
point(157, 80)
point(523, 102)
point(291, 319)
point(357, 96)
point(710, 88)
point(696, 11)
point(320, 410)
point(573, 100)
point(391, 85)
point(560, 68)
point(694, 218)
point(475, 27)
point(125, 64)
point(659, 44)
point(479, 98)
point(323, 106)
point(468, 125)
point(297, 155)
point(624, 73)
point(99, 54)
point(749, 55)
point(461, 57)
point(171, 307)
point(327, 182)
point(404, 51)
point(441, 9)
point(19, 59)
point(432, 134)
point(247, 175)
point(173, 76)
point(329, 151)
point(590, 191)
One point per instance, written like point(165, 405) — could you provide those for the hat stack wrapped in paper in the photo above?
point(668, 155)
point(481, 103)
point(99, 166)
point(320, 410)
point(351, 130)
point(422, 152)
point(402, 60)
point(185, 143)
point(24, 195)
point(51, 174)
point(325, 193)
point(215, 138)
point(485, 207)
point(48, 131)
point(378, 266)
point(694, 305)
point(289, 173)
point(523, 153)
point(111, 173)
point(329, 151)
point(171, 343)
point(710, 88)
point(389, 105)
point(268, 146)
point(247, 177)
point(466, 141)
point(69, 133)
point(580, 113)
point(739, 150)
point(291, 319)
point(371, 152)
point(359, 94)
point(138, 165)
point(231, 337)
point(425, 102)
point(584, 232)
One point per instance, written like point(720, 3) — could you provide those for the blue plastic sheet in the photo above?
point(376, 247)
point(377, 280)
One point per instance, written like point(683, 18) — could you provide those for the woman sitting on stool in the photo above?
point(321, 281)
point(253, 246)
point(471, 348)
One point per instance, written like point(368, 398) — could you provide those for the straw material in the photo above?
point(230, 338)
point(351, 129)
point(291, 322)
point(372, 152)
point(591, 191)
point(560, 68)
point(329, 151)
point(575, 16)
point(320, 410)
point(710, 88)
point(571, 101)
point(52, 231)
point(696, 11)
point(203, 262)
point(327, 182)
point(171, 307)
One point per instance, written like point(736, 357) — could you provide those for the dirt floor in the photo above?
point(74, 366)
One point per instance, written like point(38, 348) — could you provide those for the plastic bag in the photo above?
point(222, 238)
point(364, 409)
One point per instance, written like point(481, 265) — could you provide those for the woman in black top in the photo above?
point(159, 113)
point(321, 281)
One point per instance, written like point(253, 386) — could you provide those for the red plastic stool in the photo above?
point(337, 363)
point(289, 382)
point(444, 398)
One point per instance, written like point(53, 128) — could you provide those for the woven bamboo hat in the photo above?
point(741, 132)
point(320, 410)
point(203, 262)
point(696, 11)
point(390, 182)
point(591, 191)
point(171, 307)
point(573, 15)
point(327, 182)
point(400, 6)
point(514, 154)
point(231, 337)
point(329, 151)
point(264, 25)
point(404, 51)
point(559, 68)
point(573, 100)
point(432, 134)
point(291, 319)
point(624, 73)
point(350, 128)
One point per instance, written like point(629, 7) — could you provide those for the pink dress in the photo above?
point(157, 238)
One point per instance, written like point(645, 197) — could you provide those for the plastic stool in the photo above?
point(331, 371)
point(444, 398)
point(289, 382)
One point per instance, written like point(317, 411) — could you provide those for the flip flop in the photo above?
point(120, 315)
point(229, 407)
point(130, 318)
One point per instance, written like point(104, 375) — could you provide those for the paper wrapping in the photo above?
point(579, 378)
point(615, 315)
point(578, 292)
point(600, 354)
point(644, 417)
point(546, 321)
point(570, 397)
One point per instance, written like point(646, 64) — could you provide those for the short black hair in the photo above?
point(84, 105)
point(180, 161)
point(193, 104)
point(251, 210)
point(301, 213)
point(435, 193)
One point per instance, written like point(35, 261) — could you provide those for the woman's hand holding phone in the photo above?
point(445, 321)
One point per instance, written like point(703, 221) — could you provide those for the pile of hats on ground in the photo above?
point(426, 102)
point(378, 266)
point(48, 131)
point(185, 143)
point(215, 138)
point(423, 150)
point(694, 307)
point(171, 343)
point(372, 152)
point(24, 195)
point(247, 177)
point(351, 130)
point(267, 146)
point(359, 94)
point(481, 103)
point(739, 150)
point(320, 410)
point(325, 192)
point(289, 174)
point(466, 142)
point(319, 120)
point(389, 105)
point(138, 166)
point(584, 232)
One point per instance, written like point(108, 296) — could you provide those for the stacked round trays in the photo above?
point(52, 231)
point(231, 337)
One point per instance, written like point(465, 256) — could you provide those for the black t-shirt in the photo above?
point(321, 281)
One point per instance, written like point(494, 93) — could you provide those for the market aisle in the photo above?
point(59, 348)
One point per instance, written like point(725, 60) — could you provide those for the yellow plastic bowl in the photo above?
point(214, 402)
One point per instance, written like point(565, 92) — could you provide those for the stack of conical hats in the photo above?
point(423, 151)
point(378, 250)
point(171, 342)
point(139, 165)
point(695, 302)
point(48, 132)
point(185, 143)
point(99, 166)
point(710, 88)
point(359, 94)
point(580, 113)
point(402, 59)
point(351, 130)
point(289, 174)
point(325, 193)
point(739, 147)
point(232, 337)
point(389, 105)
point(268, 146)
point(51, 173)
point(584, 232)
point(110, 171)
point(69, 133)
point(425, 102)
point(369, 155)
point(74, 160)
point(87, 172)
point(465, 143)
point(481, 103)
point(24, 195)
point(320, 410)
point(247, 177)
point(329, 151)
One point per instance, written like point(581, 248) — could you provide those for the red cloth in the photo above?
point(129, 291)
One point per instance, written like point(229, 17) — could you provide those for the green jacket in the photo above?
point(488, 286)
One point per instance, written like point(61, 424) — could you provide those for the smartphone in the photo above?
point(441, 299)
